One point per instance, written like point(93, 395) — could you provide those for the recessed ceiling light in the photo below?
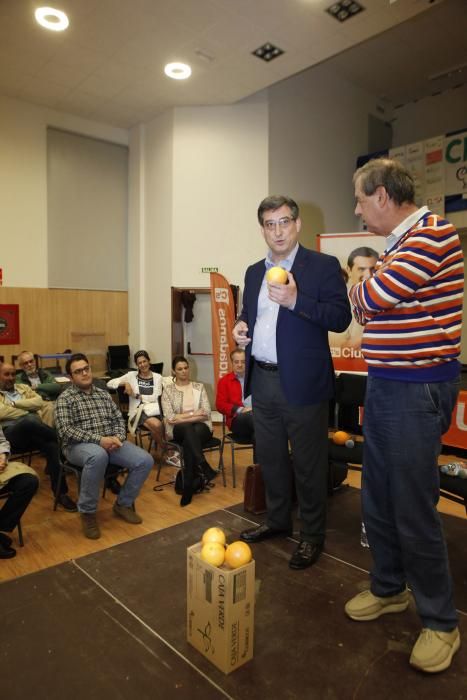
point(50, 18)
point(177, 71)
point(344, 9)
point(267, 52)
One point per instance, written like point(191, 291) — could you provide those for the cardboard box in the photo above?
point(220, 611)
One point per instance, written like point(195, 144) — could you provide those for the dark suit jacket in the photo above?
point(303, 355)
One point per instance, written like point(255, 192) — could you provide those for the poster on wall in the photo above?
point(9, 324)
point(398, 153)
point(434, 174)
point(357, 254)
point(455, 163)
point(415, 163)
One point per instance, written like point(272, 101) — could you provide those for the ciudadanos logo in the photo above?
point(461, 175)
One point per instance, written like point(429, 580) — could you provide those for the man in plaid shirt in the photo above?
point(92, 433)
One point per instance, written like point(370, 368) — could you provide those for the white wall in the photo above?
point(318, 128)
point(220, 176)
point(431, 116)
point(23, 185)
point(196, 178)
point(155, 265)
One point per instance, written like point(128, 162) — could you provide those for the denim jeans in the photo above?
point(403, 425)
point(94, 460)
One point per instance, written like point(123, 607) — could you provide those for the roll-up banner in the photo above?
point(222, 321)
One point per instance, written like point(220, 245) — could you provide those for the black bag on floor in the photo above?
point(198, 483)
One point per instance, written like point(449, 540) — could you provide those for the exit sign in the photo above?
point(209, 269)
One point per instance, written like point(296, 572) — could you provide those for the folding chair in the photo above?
point(4, 494)
point(67, 467)
point(236, 443)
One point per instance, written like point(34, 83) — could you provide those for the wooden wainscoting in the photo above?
point(52, 320)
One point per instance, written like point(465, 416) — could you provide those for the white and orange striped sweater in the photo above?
point(412, 307)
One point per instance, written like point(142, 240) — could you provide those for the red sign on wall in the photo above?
point(9, 324)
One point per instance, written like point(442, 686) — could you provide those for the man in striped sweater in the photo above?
point(411, 310)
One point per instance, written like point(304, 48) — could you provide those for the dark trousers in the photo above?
point(306, 428)
point(30, 433)
point(192, 436)
point(21, 489)
point(243, 426)
point(403, 425)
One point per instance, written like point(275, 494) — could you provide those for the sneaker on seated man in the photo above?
point(23, 427)
point(21, 482)
point(92, 433)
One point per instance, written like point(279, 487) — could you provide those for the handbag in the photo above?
point(254, 500)
point(151, 408)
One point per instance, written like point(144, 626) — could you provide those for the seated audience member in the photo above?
point(187, 417)
point(40, 380)
point(20, 409)
point(143, 388)
point(21, 482)
point(230, 400)
point(92, 433)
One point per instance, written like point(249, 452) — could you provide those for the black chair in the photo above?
point(4, 494)
point(118, 358)
point(453, 488)
point(67, 467)
point(235, 443)
point(157, 367)
point(350, 398)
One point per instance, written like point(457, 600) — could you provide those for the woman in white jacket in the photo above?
point(187, 417)
point(143, 388)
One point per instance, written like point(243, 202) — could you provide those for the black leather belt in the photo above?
point(268, 366)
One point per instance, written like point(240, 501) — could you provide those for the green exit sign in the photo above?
point(209, 269)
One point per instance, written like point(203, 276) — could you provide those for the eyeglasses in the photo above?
point(282, 223)
point(29, 362)
point(82, 370)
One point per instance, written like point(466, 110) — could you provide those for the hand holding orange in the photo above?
point(277, 275)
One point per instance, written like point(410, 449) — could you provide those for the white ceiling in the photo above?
point(108, 65)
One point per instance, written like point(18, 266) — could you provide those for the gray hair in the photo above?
point(387, 173)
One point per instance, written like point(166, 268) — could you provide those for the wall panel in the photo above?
point(52, 320)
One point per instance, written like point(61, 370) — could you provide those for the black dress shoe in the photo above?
point(65, 501)
point(262, 532)
point(5, 540)
point(7, 552)
point(306, 554)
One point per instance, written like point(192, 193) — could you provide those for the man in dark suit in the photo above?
point(284, 329)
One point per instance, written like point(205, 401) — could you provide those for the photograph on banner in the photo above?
point(357, 254)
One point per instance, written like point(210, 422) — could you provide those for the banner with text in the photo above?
point(357, 254)
point(222, 321)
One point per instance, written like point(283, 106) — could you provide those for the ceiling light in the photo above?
point(267, 52)
point(50, 18)
point(344, 9)
point(177, 71)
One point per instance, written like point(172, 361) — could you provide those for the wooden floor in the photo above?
point(55, 537)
